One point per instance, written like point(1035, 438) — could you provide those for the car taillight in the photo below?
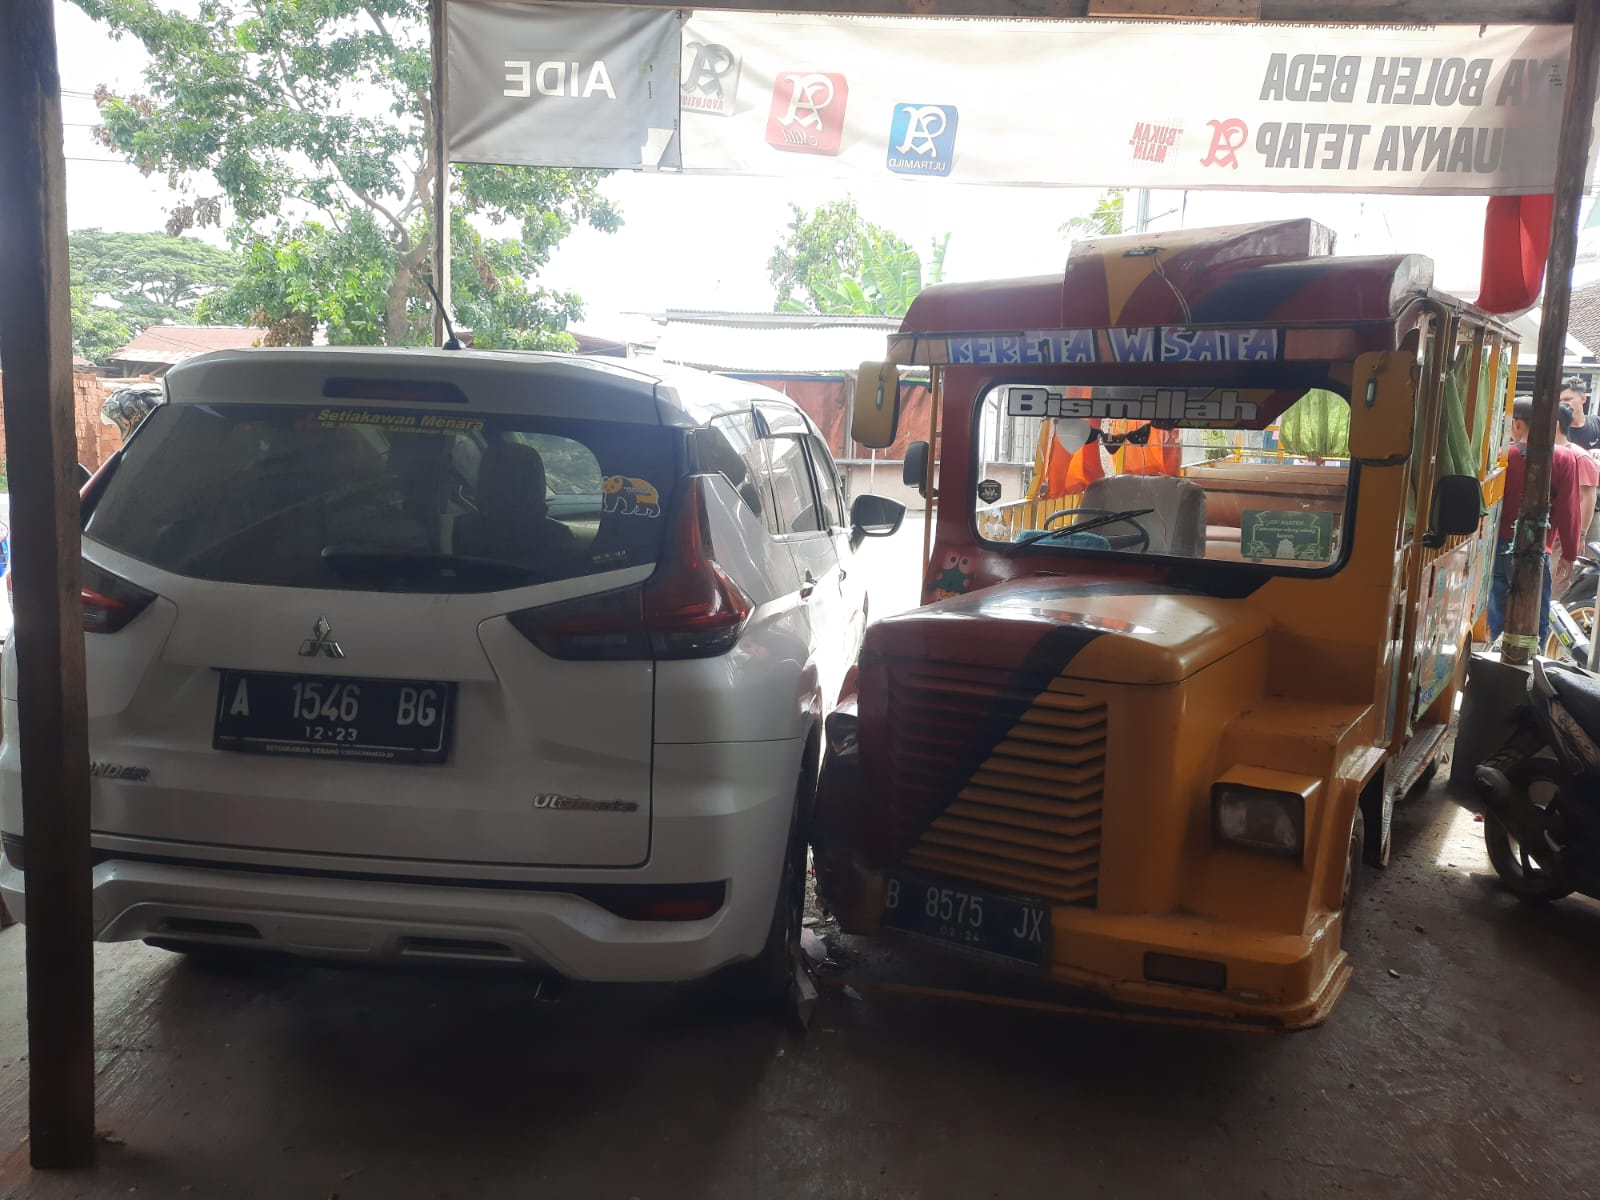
point(665, 902)
point(690, 607)
point(609, 626)
point(110, 602)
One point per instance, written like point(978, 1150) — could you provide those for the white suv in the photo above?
point(460, 655)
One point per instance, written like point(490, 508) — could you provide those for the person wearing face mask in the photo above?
point(1585, 429)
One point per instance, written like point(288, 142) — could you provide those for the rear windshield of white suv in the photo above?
point(375, 499)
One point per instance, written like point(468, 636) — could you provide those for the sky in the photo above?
point(702, 242)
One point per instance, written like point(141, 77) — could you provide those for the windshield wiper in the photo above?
point(1093, 523)
point(420, 562)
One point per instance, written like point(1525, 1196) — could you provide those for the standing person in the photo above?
point(1564, 515)
point(1588, 481)
point(1575, 399)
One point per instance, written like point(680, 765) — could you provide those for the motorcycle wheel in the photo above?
point(1583, 615)
point(1536, 778)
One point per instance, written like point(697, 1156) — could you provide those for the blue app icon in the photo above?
point(922, 139)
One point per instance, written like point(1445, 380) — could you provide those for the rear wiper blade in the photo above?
point(1084, 526)
point(340, 557)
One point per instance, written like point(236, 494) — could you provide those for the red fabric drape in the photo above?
point(1516, 243)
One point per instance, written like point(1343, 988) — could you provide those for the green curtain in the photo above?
point(1316, 426)
point(1455, 449)
point(1456, 455)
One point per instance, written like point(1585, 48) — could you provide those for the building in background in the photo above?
point(161, 347)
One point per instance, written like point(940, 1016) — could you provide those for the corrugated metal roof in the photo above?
point(171, 344)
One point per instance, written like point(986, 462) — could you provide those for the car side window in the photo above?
point(731, 447)
point(828, 486)
point(799, 510)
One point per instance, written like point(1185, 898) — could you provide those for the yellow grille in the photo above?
point(1029, 819)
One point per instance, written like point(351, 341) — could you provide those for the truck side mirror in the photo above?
point(1383, 404)
point(875, 516)
point(875, 414)
point(915, 469)
point(1457, 509)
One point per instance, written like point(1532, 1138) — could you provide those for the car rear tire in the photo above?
point(765, 983)
point(1352, 870)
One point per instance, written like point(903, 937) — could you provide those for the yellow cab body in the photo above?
point(1196, 607)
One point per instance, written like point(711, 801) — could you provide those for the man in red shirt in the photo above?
point(1564, 518)
point(1588, 483)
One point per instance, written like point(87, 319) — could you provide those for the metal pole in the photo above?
point(1141, 211)
point(1572, 163)
point(41, 442)
point(440, 150)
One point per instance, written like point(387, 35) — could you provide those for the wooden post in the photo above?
point(440, 150)
point(1572, 165)
point(41, 445)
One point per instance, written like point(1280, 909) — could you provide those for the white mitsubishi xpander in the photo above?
point(460, 655)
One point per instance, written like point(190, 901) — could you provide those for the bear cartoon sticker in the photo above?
point(634, 497)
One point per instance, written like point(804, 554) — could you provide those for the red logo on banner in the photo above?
point(1227, 139)
point(807, 112)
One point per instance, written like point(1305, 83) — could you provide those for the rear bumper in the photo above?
point(722, 814)
point(1285, 981)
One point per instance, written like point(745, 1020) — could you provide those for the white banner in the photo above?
point(1159, 104)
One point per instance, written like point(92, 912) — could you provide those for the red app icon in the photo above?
point(807, 112)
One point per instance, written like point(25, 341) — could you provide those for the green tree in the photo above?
point(822, 247)
point(308, 121)
point(152, 277)
point(97, 330)
point(1105, 221)
point(122, 282)
point(842, 265)
point(890, 277)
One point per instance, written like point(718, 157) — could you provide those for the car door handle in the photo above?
point(809, 586)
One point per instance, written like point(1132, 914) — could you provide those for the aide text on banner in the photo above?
point(562, 85)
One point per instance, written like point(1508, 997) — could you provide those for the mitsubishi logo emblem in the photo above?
point(321, 641)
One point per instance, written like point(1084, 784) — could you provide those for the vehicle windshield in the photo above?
point(353, 498)
point(1215, 473)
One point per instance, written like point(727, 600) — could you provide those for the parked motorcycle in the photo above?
point(1572, 612)
point(1541, 794)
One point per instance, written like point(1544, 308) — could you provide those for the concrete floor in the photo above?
point(1473, 1071)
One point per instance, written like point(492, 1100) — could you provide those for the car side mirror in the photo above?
point(915, 469)
point(875, 516)
point(875, 412)
point(1382, 407)
point(1457, 509)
